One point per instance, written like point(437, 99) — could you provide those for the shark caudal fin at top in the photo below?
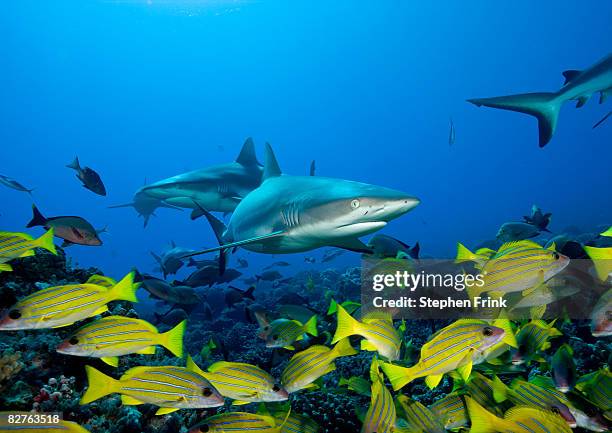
point(543, 106)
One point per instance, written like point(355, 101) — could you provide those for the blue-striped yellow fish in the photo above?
point(452, 348)
point(533, 338)
point(295, 423)
point(10, 425)
point(172, 388)
point(114, 336)
point(101, 280)
point(381, 416)
point(284, 332)
point(308, 365)
point(233, 422)
point(519, 419)
point(563, 368)
point(602, 260)
point(418, 417)
point(523, 393)
point(244, 383)
point(515, 267)
point(597, 387)
point(377, 329)
point(58, 306)
point(451, 411)
point(480, 388)
point(14, 245)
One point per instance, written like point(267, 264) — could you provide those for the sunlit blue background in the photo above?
point(145, 90)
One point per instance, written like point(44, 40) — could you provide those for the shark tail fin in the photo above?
point(219, 228)
point(75, 164)
point(543, 106)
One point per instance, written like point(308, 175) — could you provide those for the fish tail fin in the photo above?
point(333, 307)
point(5, 267)
point(602, 260)
point(75, 164)
point(310, 327)
point(500, 390)
point(46, 242)
point(249, 293)
point(173, 339)
point(347, 325)
point(343, 348)
point(482, 420)
point(464, 254)
point(37, 218)
point(125, 290)
point(543, 106)
point(398, 376)
point(99, 385)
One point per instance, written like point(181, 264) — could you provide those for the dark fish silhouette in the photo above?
point(91, 180)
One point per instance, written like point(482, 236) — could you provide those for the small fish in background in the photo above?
point(173, 294)
point(532, 339)
point(72, 229)
point(377, 330)
point(520, 420)
point(602, 120)
point(234, 295)
point(244, 383)
point(172, 388)
point(171, 317)
point(307, 366)
point(237, 422)
point(538, 219)
point(12, 183)
point(15, 245)
point(301, 313)
point(128, 336)
point(564, 369)
point(192, 263)
point(284, 332)
point(270, 275)
point(171, 260)
point(418, 417)
point(277, 265)
point(516, 231)
point(209, 276)
point(91, 180)
point(452, 348)
point(601, 316)
point(384, 246)
point(312, 167)
point(451, 132)
point(242, 263)
point(78, 301)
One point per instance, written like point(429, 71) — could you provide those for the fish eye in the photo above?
point(275, 337)
point(207, 392)
point(204, 428)
point(276, 388)
point(555, 409)
point(487, 331)
point(266, 328)
point(355, 203)
point(73, 341)
point(556, 255)
point(14, 314)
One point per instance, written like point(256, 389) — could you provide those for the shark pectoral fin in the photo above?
point(582, 100)
point(603, 95)
point(166, 410)
point(352, 244)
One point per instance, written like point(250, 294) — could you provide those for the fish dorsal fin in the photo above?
point(515, 244)
point(271, 168)
point(192, 366)
point(570, 74)
point(219, 366)
point(247, 155)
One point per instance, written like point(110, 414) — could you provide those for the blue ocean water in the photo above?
point(141, 91)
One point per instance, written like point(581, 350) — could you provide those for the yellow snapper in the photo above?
point(451, 411)
point(114, 336)
point(381, 416)
point(48, 427)
point(308, 365)
point(295, 423)
point(284, 332)
point(245, 383)
point(14, 245)
point(519, 419)
point(451, 348)
point(515, 267)
point(378, 330)
point(101, 280)
point(232, 422)
point(418, 417)
point(533, 338)
point(58, 306)
point(172, 388)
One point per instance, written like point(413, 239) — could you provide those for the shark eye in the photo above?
point(355, 203)
point(14, 314)
point(73, 341)
point(206, 392)
point(487, 331)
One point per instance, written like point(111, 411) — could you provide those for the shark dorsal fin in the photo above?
point(247, 155)
point(570, 74)
point(271, 168)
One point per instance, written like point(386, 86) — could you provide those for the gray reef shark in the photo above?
point(218, 188)
point(291, 214)
point(545, 106)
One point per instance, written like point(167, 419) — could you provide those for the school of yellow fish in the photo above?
point(469, 352)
